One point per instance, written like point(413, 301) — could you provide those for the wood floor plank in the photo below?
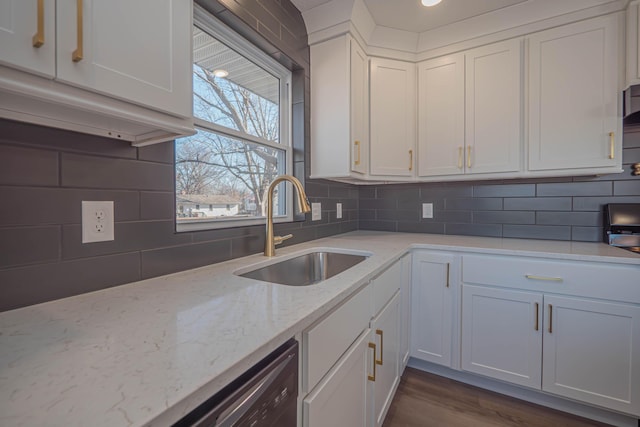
point(427, 400)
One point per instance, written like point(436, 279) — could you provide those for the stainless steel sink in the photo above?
point(306, 269)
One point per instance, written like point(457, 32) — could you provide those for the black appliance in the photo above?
point(264, 396)
point(622, 225)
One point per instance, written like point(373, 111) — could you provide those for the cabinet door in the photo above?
point(341, 398)
point(493, 128)
point(27, 36)
point(592, 352)
point(441, 116)
point(502, 334)
point(393, 123)
point(405, 311)
point(359, 109)
point(573, 96)
point(385, 332)
point(433, 283)
point(136, 51)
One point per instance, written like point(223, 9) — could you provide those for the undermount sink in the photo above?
point(307, 269)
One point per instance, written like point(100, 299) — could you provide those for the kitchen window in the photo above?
point(242, 114)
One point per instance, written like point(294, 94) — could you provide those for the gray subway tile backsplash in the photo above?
point(41, 164)
point(538, 204)
point(45, 174)
point(600, 188)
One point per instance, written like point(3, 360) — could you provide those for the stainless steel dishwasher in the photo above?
point(264, 396)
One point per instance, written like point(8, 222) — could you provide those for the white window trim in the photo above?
point(211, 25)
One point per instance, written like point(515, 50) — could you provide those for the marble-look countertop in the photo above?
point(146, 353)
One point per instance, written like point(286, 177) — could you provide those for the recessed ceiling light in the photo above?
point(430, 2)
point(220, 73)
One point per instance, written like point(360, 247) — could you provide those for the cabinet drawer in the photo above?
point(385, 285)
point(328, 340)
point(590, 279)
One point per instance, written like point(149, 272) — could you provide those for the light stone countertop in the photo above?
point(146, 353)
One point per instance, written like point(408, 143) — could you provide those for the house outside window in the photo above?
point(242, 114)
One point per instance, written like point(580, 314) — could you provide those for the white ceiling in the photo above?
point(410, 15)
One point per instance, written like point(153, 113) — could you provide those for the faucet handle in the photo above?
point(279, 239)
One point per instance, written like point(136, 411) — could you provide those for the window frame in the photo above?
point(221, 32)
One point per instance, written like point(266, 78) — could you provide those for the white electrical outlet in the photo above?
point(427, 210)
point(97, 222)
point(338, 210)
point(316, 211)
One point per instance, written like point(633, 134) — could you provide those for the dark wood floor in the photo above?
point(425, 400)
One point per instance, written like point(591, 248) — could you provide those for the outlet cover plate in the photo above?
point(97, 221)
point(427, 210)
point(316, 211)
point(338, 210)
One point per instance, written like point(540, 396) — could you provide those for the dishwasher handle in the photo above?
point(240, 407)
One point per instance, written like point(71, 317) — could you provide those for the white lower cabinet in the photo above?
point(592, 352)
point(434, 278)
point(405, 311)
point(502, 334)
point(352, 358)
point(341, 397)
point(565, 327)
point(385, 328)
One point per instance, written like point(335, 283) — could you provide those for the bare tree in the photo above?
point(212, 161)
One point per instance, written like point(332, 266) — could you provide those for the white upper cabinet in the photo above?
point(339, 109)
point(441, 116)
point(359, 109)
point(120, 69)
point(493, 124)
point(393, 121)
point(539, 100)
point(574, 118)
point(470, 108)
point(27, 35)
point(136, 51)
point(633, 45)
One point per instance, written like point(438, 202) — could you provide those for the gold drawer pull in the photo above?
point(78, 53)
point(373, 377)
point(357, 160)
point(612, 144)
point(380, 362)
point(410, 160)
point(460, 157)
point(468, 156)
point(544, 278)
point(38, 38)
point(537, 316)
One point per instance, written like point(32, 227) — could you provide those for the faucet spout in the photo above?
point(270, 241)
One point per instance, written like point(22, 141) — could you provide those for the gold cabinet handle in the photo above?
point(38, 38)
point(612, 144)
point(410, 160)
point(459, 157)
point(448, 268)
point(373, 377)
point(544, 278)
point(550, 318)
point(537, 316)
point(380, 362)
point(468, 156)
point(357, 160)
point(77, 54)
